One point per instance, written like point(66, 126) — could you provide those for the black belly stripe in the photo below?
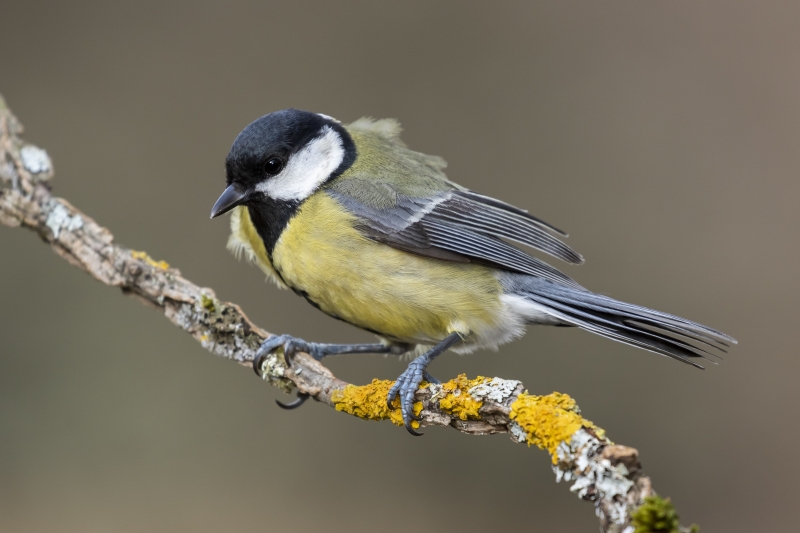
point(270, 218)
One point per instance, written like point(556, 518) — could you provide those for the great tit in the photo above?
point(374, 234)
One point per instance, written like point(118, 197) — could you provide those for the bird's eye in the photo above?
point(273, 166)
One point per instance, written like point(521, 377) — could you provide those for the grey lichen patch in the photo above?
point(517, 433)
point(222, 330)
point(35, 160)
point(186, 317)
point(59, 220)
point(495, 390)
point(595, 477)
point(273, 370)
point(273, 367)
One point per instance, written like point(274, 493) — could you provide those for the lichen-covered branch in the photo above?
point(599, 471)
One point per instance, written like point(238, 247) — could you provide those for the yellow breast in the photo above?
point(396, 294)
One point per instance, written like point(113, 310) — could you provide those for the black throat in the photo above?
point(270, 218)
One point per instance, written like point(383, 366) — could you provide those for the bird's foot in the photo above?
point(407, 384)
point(406, 387)
point(291, 345)
point(317, 350)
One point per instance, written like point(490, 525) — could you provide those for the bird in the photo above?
point(374, 234)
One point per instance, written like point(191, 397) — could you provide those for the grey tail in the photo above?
point(630, 324)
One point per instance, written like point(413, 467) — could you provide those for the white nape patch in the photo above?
point(328, 117)
point(531, 312)
point(388, 128)
point(307, 169)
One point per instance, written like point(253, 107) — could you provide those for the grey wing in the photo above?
point(456, 225)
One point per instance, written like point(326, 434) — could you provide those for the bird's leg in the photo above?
point(292, 345)
point(407, 384)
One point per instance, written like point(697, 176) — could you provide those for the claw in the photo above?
point(393, 393)
point(257, 361)
point(411, 430)
point(266, 348)
point(301, 399)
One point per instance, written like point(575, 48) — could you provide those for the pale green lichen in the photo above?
point(208, 303)
point(658, 515)
point(549, 420)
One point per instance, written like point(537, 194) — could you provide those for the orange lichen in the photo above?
point(546, 420)
point(369, 402)
point(549, 420)
point(456, 400)
point(163, 265)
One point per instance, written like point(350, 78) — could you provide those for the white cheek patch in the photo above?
point(307, 169)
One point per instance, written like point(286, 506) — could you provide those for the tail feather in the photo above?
point(623, 327)
point(637, 312)
point(634, 325)
point(632, 318)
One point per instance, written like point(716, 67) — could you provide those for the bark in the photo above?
point(608, 475)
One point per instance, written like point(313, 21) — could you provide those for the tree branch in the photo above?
point(607, 474)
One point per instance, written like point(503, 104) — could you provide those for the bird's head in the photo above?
point(284, 156)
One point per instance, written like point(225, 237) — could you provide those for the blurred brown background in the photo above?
point(663, 135)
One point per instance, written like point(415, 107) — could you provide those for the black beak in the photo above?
point(230, 198)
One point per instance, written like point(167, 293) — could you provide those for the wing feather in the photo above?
point(498, 223)
point(445, 226)
point(457, 239)
point(510, 209)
